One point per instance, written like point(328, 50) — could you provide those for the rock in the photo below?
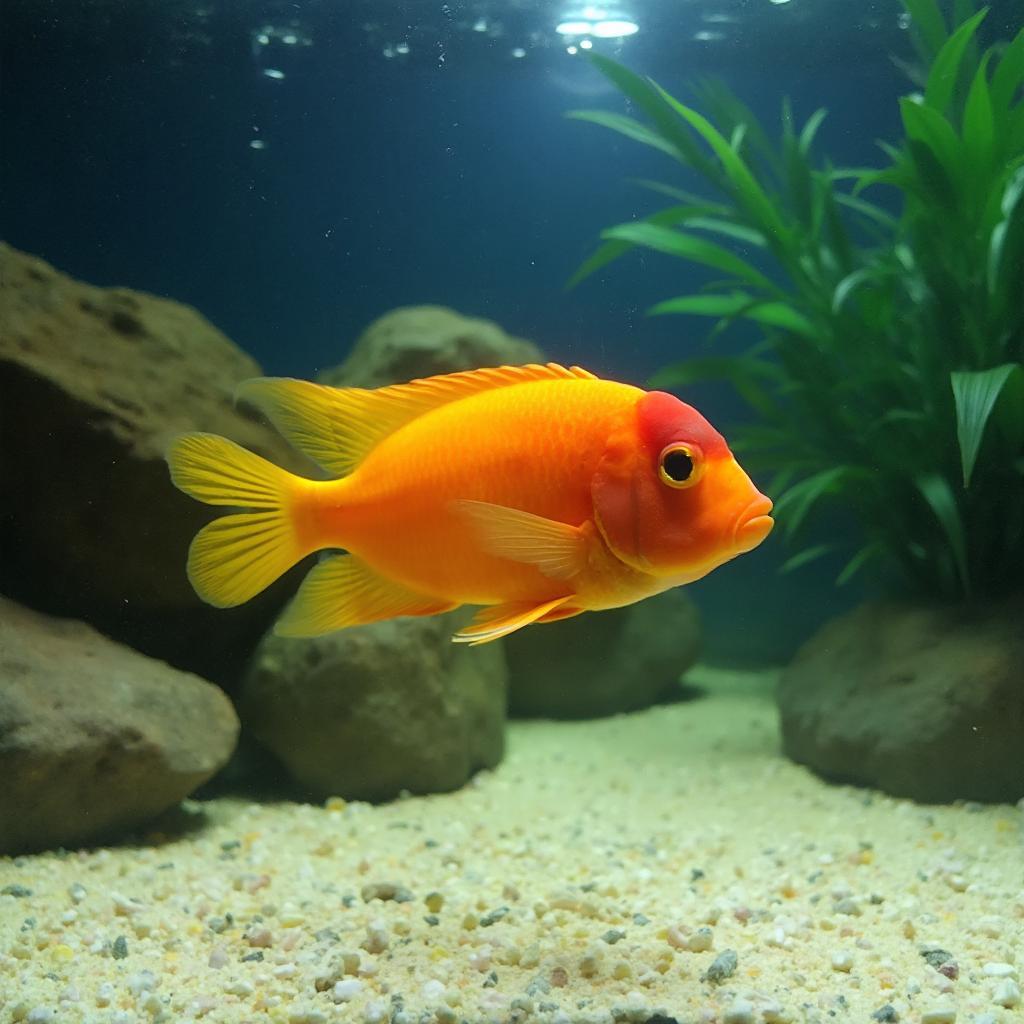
point(601, 663)
point(95, 739)
point(420, 341)
point(921, 702)
point(93, 384)
point(369, 711)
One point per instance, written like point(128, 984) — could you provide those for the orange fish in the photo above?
point(538, 491)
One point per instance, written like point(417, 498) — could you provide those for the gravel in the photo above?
point(666, 865)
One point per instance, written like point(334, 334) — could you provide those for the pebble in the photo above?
point(774, 1013)
point(722, 967)
point(377, 939)
point(493, 917)
point(386, 891)
point(842, 961)
point(124, 906)
point(999, 970)
point(432, 990)
point(346, 990)
point(939, 1015)
point(740, 1012)
point(376, 1011)
point(991, 926)
point(144, 981)
point(259, 938)
point(936, 957)
point(1006, 993)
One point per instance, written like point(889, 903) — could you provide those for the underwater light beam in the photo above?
point(597, 22)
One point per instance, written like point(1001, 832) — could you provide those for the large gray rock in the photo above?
point(602, 663)
point(370, 711)
point(420, 341)
point(920, 702)
point(95, 739)
point(94, 382)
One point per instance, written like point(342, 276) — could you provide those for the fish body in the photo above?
point(539, 492)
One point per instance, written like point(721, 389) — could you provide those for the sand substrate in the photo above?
point(666, 864)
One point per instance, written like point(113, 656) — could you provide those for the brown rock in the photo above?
point(420, 341)
point(93, 384)
point(922, 702)
point(603, 663)
point(369, 711)
point(95, 739)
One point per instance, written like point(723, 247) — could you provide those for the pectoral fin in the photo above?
point(502, 619)
point(559, 550)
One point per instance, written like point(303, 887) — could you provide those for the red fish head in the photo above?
point(669, 497)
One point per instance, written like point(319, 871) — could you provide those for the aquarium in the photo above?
point(511, 511)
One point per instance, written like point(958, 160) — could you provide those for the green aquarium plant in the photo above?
point(887, 371)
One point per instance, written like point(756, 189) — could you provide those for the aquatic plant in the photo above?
point(887, 375)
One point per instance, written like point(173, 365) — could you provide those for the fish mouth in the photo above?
point(753, 524)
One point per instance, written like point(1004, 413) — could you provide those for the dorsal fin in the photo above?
point(338, 427)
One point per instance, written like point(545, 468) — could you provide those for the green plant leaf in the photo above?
point(930, 129)
point(866, 209)
point(850, 284)
point(975, 394)
point(648, 97)
point(979, 126)
point(1009, 74)
point(682, 196)
point(611, 251)
point(793, 505)
point(774, 314)
point(929, 24)
point(748, 192)
point(726, 227)
point(687, 247)
point(873, 549)
point(736, 120)
point(939, 495)
point(625, 126)
point(1006, 245)
point(802, 558)
point(945, 71)
point(810, 129)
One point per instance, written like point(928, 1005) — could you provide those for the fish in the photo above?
point(538, 492)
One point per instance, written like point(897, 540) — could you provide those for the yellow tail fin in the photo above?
point(235, 557)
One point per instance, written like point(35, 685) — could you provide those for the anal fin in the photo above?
point(501, 619)
point(344, 591)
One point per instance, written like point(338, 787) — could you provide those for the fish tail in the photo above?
point(235, 557)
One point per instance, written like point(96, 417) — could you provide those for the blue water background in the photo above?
point(444, 178)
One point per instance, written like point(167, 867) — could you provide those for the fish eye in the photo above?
point(679, 466)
